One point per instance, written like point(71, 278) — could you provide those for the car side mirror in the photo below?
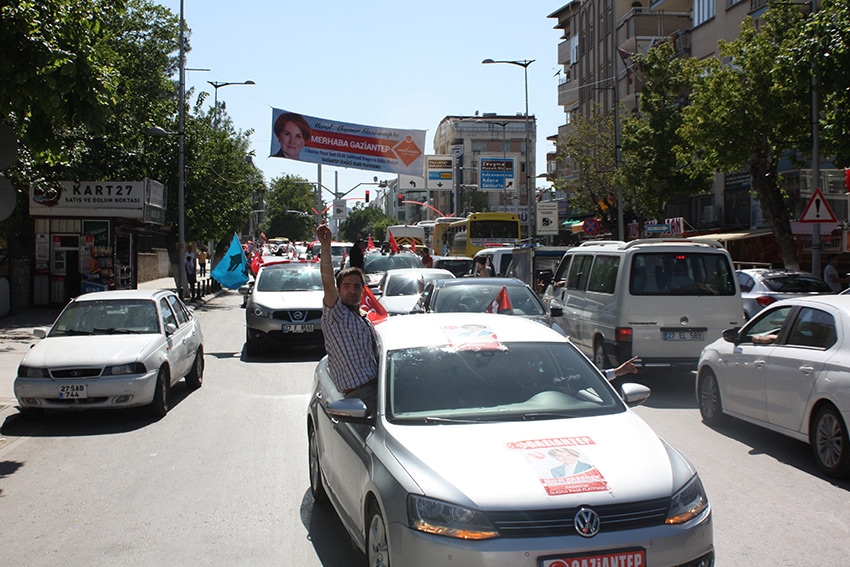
point(39, 332)
point(556, 311)
point(170, 328)
point(350, 410)
point(731, 335)
point(634, 394)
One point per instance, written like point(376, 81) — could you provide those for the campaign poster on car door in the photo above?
point(343, 144)
point(561, 464)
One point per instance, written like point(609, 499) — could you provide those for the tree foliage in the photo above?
point(363, 221)
point(289, 200)
point(650, 172)
point(749, 114)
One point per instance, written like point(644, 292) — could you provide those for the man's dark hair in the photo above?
point(349, 271)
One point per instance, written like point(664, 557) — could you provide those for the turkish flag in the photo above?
point(393, 243)
point(256, 263)
point(371, 244)
point(413, 245)
point(501, 304)
point(374, 310)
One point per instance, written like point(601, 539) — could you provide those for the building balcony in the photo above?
point(638, 28)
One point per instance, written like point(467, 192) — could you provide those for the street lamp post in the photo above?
point(528, 192)
point(504, 126)
point(217, 85)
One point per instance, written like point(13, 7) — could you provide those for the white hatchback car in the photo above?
point(788, 370)
point(496, 442)
point(113, 350)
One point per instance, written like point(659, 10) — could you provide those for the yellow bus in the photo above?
point(483, 230)
point(440, 242)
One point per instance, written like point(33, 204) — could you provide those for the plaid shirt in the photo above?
point(351, 344)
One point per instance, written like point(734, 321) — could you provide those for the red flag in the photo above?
point(256, 263)
point(393, 243)
point(413, 245)
point(501, 304)
point(374, 310)
point(371, 244)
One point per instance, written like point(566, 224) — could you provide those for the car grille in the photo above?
point(559, 522)
point(298, 315)
point(76, 372)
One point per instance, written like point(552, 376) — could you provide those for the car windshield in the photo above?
point(796, 284)
point(484, 380)
point(373, 263)
point(293, 277)
point(404, 285)
point(476, 299)
point(132, 316)
point(457, 267)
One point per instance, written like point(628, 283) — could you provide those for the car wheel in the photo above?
point(316, 486)
point(829, 442)
point(159, 406)
point(710, 406)
point(600, 359)
point(377, 550)
point(195, 377)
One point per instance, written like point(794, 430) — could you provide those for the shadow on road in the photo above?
point(331, 541)
point(671, 389)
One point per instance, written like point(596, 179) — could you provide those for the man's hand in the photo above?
point(323, 233)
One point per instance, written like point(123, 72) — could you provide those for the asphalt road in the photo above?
point(222, 479)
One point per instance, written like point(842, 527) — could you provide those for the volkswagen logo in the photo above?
point(298, 315)
point(76, 373)
point(586, 522)
point(684, 320)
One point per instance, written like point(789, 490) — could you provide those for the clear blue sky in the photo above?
point(396, 64)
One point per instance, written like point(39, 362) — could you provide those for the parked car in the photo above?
point(496, 442)
point(761, 287)
point(474, 295)
point(113, 350)
point(375, 264)
point(788, 370)
point(460, 266)
point(284, 306)
point(399, 290)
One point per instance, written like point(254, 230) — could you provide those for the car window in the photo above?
point(745, 281)
point(603, 274)
point(579, 270)
point(767, 324)
point(502, 381)
point(179, 311)
point(813, 328)
point(796, 284)
point(295, 278)
point(167, 314)
point(380, 263)
point(476, 299)
point(106, 317)
point(681, 273)
point(404, 285)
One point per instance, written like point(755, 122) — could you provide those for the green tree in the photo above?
point(590, 149)
point(364, 220)
point(289, 200)
point(752, 112)
point(650, 172)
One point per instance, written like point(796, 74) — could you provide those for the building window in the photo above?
point(479, 146)
point(703, 11)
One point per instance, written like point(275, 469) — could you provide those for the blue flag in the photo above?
point(232, 271)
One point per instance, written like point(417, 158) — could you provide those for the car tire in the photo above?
point(195, 377)
point(828, 436)
point(377, 547)
point(600, 359)
point(710, 405)
point(161, 395)
point(317, 489)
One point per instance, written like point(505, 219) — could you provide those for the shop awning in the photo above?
point(732, 236)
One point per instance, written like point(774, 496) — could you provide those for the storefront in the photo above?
point(87, 235)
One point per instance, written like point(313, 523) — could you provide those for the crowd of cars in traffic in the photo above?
point(494, 436)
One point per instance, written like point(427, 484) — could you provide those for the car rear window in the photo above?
point(796, 284)
point(681, 273)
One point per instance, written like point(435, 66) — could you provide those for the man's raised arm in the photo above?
point(323, 233)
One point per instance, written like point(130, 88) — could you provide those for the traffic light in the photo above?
point(400, 200)
point(367, 195)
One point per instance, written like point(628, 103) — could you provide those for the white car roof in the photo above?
point(121, 294)
point(436, 329)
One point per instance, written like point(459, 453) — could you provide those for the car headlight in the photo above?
point(258, 310)
point(32, 372)
point(125, 369)
point(688, 503)
point(441, 518)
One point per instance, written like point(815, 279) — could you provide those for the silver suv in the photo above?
point(762, 286)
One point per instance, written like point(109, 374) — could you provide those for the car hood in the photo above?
point(290, 299)
point(90, 350)
point(399, 303)
point(508, 465)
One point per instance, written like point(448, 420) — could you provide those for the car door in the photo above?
point(745, 368)
point(574, 300)
point(177, 341)
point(794, 367)
point(193, 335)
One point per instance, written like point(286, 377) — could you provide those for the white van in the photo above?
point(499, 257)
point(660, 300)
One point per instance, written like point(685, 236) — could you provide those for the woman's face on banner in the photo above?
point(291, 140)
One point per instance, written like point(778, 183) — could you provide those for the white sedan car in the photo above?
point(400, 289)
point(113, 350)
point(496, 442)
point(788, 370)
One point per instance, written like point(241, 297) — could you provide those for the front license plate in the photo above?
point(685, 336)
point(67, 391)
point(307, 328)
point(626, 558)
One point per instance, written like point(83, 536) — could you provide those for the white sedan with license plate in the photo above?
point(496, 442)
point(113, 350)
